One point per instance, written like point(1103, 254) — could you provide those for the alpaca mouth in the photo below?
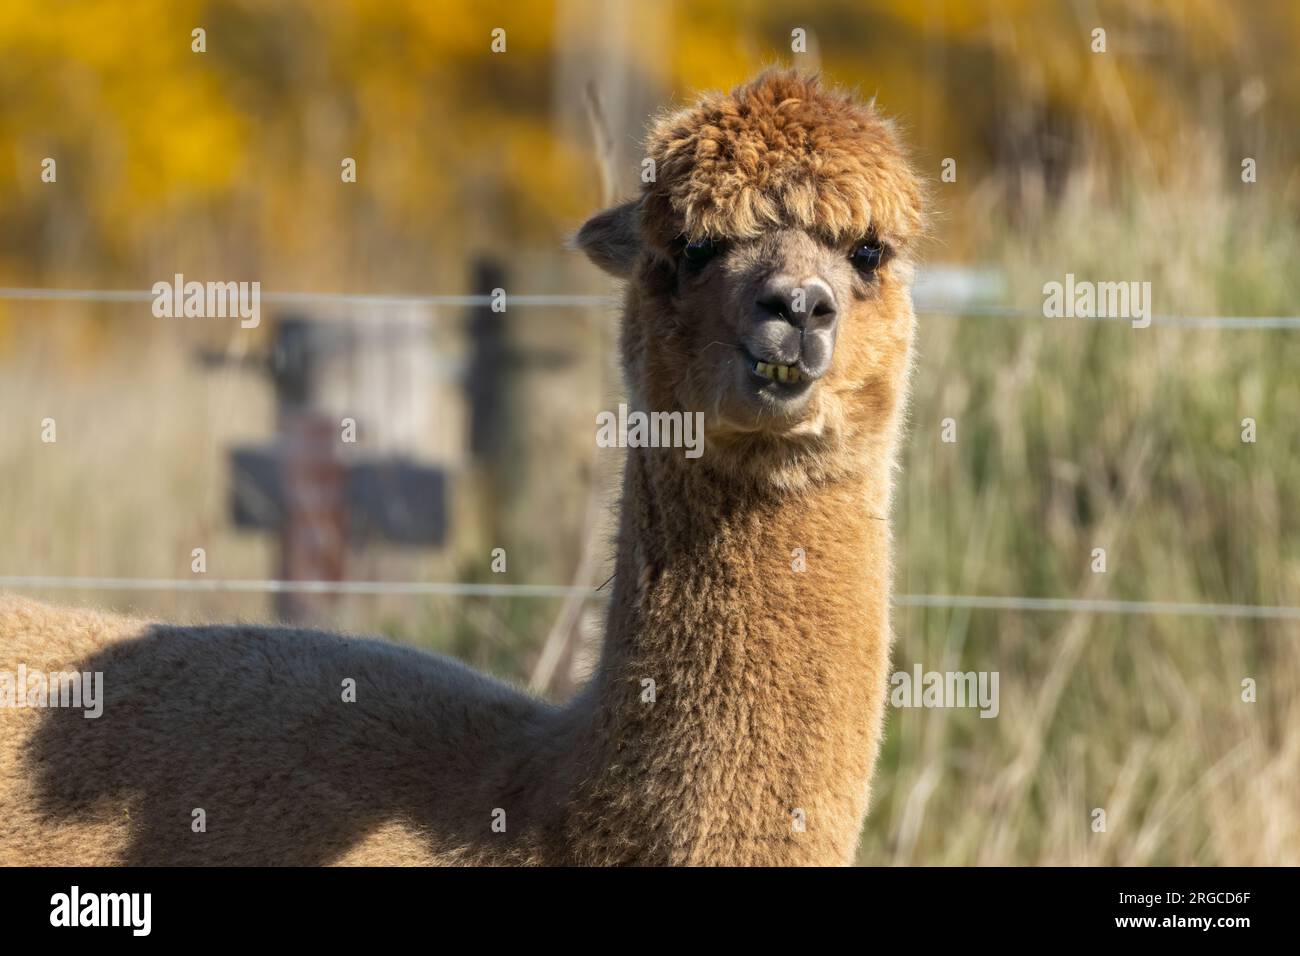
point(776, 372)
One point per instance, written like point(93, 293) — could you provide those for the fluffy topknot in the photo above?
point(779, 150)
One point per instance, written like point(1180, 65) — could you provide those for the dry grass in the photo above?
point(1075, 435)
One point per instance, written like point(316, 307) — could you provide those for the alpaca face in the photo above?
point(769, 267)
point(787, 334)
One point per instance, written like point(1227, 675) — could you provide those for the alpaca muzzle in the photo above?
point(792, 326)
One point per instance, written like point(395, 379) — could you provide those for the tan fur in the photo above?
point(769, 684)
point(781, 150)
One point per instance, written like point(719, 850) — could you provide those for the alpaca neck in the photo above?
point(761, 617)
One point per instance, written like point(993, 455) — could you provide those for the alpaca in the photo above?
point(736, 710)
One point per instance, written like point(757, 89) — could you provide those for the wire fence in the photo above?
point(323, 299)
point(338, 300)
point(975, 602)
point(331, 300)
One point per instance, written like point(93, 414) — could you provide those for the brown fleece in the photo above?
point(779, 151)
point(736, 712)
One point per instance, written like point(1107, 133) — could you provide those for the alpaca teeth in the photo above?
point(778, 373)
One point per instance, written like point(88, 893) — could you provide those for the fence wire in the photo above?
point(463, 589)
point(976, 602)
point(340, 300)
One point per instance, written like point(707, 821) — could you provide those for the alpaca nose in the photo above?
point(807, 305)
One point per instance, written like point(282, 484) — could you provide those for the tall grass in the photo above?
point(1075, 435)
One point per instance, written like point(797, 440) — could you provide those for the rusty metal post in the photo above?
point(313, 528)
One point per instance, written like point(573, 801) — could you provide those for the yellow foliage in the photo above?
point(233, 154)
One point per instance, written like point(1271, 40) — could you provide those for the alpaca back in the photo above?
point(249, 725)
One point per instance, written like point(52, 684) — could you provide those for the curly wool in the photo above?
point(780, 150)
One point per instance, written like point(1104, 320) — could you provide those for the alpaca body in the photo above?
point(768, 682)
point(756, 747)
point(248, 724)
point(736, 711)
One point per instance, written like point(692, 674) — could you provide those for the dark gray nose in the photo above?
point(808, 305)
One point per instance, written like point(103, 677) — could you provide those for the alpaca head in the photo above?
point(769, 269)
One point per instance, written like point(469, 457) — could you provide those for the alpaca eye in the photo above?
point(700, 251)
point(866, 258)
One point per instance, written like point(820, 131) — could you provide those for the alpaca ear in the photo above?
point(612, 239)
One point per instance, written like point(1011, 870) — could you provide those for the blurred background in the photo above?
point(475, 429)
